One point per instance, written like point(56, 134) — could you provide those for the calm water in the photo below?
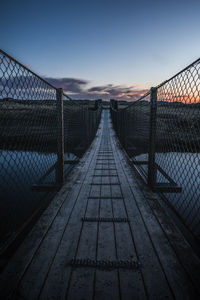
point(19, 170)
point(184, 169)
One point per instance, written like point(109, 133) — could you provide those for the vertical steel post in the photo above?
point(60, 139)
point(152, 171)
point(85, 124)
point(123, 128)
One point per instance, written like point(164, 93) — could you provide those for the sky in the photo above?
point(102, 48)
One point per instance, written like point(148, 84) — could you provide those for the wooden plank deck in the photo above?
point(67, 256)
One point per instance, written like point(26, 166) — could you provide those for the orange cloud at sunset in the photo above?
point(79, 89)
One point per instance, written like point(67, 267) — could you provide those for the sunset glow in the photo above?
point(102, 49)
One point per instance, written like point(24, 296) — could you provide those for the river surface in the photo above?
point(19, 170)
point(184, 169)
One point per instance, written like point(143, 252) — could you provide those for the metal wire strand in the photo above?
point(176, 143)
point(28, 140)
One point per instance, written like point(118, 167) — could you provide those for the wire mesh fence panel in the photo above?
point(29, 141)
point(175, 153)
point(178, 141)
point(80, 125)
point(132, 127)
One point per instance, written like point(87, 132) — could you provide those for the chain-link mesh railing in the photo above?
point(137, 117)
point(80, 125)
point(161, 134)
point(31, 143)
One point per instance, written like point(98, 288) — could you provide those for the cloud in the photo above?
point(118, 92)
point(99, 88)
point(69, 85)
point(27, 86)
point(78, 89)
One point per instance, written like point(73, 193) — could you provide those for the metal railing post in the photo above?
point(152, 172)
point(60, 138)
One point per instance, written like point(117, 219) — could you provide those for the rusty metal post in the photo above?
point(152, 171)
point(60, 139)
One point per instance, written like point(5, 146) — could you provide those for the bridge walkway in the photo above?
point(104, 236)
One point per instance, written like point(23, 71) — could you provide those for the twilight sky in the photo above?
point(102, 48)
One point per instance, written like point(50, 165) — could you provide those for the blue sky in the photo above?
point(102, 48)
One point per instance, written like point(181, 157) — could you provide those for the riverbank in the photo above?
point(32, 125)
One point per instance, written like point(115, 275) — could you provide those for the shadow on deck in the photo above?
point(104, 236)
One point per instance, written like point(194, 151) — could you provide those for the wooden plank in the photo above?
point(116, 191)
point(151, 271)
point(22, 260)
point(111, 220)
point(132, 285)
point(81, 285)
point(105, 197)
point(106, 282)
point(178, 281)
point(58, 281)
point(104, 184)
point(183, 250)
point(105, 159)
point(105, 164)
point(36, 274)
point(42, 261)
point(105, 156)
point(96, 180)
point(106, 175)
point(105, 169)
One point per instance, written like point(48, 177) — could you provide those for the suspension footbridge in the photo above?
point(102, 231)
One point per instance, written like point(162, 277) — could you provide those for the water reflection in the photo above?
point(18, 172)
point(184, 169)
